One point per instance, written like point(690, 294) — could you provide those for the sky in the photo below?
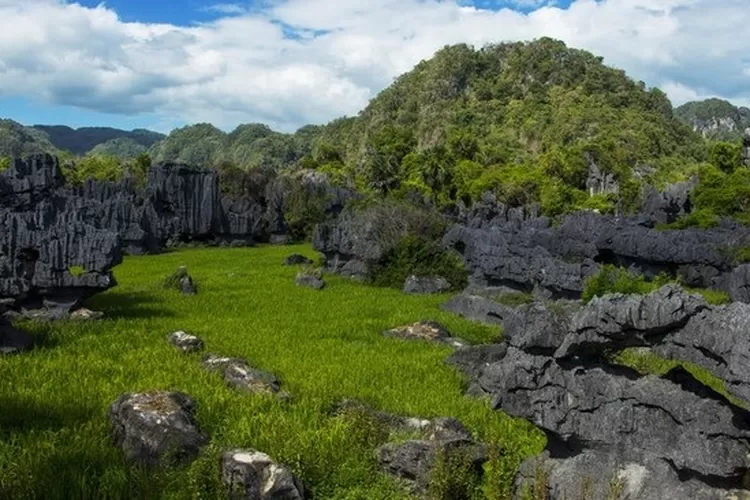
point(286, 63)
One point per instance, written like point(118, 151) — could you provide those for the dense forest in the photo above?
point(529, 121)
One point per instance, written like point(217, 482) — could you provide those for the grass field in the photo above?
point(324, 345)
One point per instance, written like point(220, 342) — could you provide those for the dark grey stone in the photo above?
point(238, 374)
point(296, 260)
point(152, 428)
point(422, 285)
point(310, 281)
point(253, 475)
point(186, 342)
point(477, 308)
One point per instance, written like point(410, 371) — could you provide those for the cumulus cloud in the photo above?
point(292, 62)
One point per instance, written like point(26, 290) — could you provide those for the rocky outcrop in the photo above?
point(745, 153)
point(664, 207)
point(529, 253)
point(422, 285)
point(312, 280)
point(156, 427)
point(609, 426)
point(253, 475)
point(298, 260)
point(599, 182)
point(52, 256)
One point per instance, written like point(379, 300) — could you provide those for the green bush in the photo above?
point(420, 256)
point(613, 279)
point(5, 162)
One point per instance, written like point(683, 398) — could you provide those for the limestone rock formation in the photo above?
point(253, 475)
point(745, 153)
point(478, 308)
point(155, 427)
point(52, 256)
point(296, 260)
point(312, 280)
point(421, 285)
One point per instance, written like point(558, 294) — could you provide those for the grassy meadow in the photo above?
point(324, 345)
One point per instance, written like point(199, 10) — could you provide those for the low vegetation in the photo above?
point(324, 345)
point(613, 279)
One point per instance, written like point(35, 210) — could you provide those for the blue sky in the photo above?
point(159, 65)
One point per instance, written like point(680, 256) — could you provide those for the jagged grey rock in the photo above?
point(296, 259)
point(601, 407)
point(186, 342)
point(539, 327)
point(51, 255)
point(477, 308)
point(421, 285)
point(599, 182)
point(619, 320)
point(253, 475)
point(718, 339)
point(155, 427)
point(187, 286)
point(604, 474)
point(472, 360)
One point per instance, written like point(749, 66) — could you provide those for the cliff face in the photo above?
point(51, 253)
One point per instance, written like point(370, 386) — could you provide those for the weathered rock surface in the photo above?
point(155, 427)
point(619, 320)
point(425, 330)
point(515, 248)
point(52, 256)
point(253, 475)
point(237, 373)
point(603, 474)
point(600, 407)
point(310, 280)
point(745, 153)
point(296, 260)
point(423, 285)
point(473, 360)
point(477, 308)
point(718, 339)
point(539, 327)
point(187, 286)
point(186, 342)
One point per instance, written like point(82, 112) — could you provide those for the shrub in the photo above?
point(453, 477)
point(5, 162)
point(703, 219)
point(613, 279)
point(420, 256)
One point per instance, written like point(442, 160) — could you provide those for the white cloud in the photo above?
point(245, 67)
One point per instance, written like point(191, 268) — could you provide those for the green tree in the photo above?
point(726, 156)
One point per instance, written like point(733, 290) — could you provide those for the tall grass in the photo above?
point(324, 345)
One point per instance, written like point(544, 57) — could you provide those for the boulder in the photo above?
point(186, 342)
point(426, 330)
point(155, 427)
point(473, 360)
point(296, 260)
point(539, 327)
point(599, 182)
point(253, 475)
point(603, 474)
point(619, 320)
point(310, 280)
point(187, 286)
point(477, 308)
point(415, 460)
point(84, 314)
point(238, 374)
point(423, 285)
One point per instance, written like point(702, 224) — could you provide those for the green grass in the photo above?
point(515, 299)
point(324, 345)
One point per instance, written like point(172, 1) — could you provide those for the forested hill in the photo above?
point(82, 140)
point(525, 119)
point(715, 118)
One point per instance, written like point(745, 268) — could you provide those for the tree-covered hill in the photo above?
point(715, 118)
point(82, 140)
point(122, 147)
point(18, 140)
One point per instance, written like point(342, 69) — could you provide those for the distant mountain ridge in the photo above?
point(82, 140)
point(715, 118)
